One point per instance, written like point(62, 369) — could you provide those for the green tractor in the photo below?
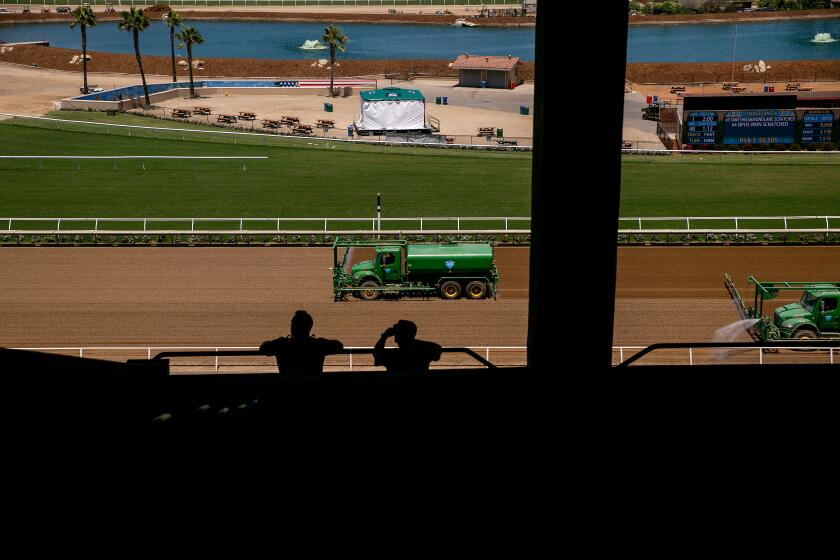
point(398, 268)
point(815, 315)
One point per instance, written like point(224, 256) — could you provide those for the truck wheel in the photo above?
point(369, 295)
point(450, 290)
point(804, 334)
point(476, 290)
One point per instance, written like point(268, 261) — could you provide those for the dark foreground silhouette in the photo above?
point(412, 356)
point(300, 353)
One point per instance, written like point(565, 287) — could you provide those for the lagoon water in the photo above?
point(282, 40)
point(777, 40)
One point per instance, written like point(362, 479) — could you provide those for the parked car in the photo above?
point(5, 11)
point(63, 10)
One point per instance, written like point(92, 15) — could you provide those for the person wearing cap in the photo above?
point(411, 356)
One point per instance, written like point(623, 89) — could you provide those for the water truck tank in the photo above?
point(456, 259)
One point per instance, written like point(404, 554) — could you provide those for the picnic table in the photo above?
point(201, 110)
point(805, 89)
point(675, 89)
point(738, 89)
point(247, 116)
point(792, 86)
point(226, 118)
point(180, 113)
point(729, 85)
point(486, 131)
point(450, 139)
point(303, 129)
point(268, 123)
point(503, 142)
point(324, 123)
point(289, 120)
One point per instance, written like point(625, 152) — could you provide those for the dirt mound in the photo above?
point(58, 58)
point(715, 72)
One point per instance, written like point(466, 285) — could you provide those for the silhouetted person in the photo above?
point(412, 356)
point(300, 353)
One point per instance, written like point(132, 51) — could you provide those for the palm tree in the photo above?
point(84, 18)
point(173, 20)
point(136, 21)
point(189, 36)
point(336, 40)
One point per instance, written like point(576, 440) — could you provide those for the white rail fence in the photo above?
point(265, 137)
point(723, 355)
point(809, 157)
point(736, 223)
point(418, 224)
point(269, 2)
point(501, 356)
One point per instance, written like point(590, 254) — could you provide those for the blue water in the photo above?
point(137, 91)
point(778, 40)
point(265, 39)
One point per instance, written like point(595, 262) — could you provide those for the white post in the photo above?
point(241, 220)
point(192, 225)
point(81, 352)
point(736, 223)
point(96, 225)
point(785, 222)
point(761, 356)
point(620, 354)
point(826, 223)
point(690, 357)
point(351, 361)
point(278, 224)
point(10, 224)
point(325, 224)
point(459, 224)
point(144, 224)
point(58, 225)
point(217, 360)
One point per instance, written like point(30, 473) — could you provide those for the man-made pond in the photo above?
point(815, 39)
point(283, 40)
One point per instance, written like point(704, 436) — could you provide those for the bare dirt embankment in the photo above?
point(715, 72)
point(732, 17)
point(59, 59)
point(334, 17)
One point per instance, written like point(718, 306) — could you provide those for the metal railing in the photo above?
point(417, 225)
point(766, 353)
point(481, 143)
point(268, 2)
point(504, 356)
point(735, 223)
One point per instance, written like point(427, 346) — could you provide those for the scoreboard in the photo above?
point(759, 127)
point(701, 127)
point(817, 126)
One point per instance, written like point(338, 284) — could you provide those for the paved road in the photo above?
point(479, 98)
point(635, 128)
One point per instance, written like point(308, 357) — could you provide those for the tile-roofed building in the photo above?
point(487, 71)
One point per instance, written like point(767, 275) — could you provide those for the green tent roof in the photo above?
point(392, 94)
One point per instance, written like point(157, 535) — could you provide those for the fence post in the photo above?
point(690, 357)
point(217, 360)
point(760, 356)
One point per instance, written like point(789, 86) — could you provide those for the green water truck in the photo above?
point(399, 268)
point(815, 315)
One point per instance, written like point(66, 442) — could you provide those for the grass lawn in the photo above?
point(302, 179)
point(773, 185)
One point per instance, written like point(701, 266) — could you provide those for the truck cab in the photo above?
point(384, 268)
point(815, 314)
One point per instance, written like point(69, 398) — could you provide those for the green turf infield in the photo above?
point(731, 185)
point(300, 178)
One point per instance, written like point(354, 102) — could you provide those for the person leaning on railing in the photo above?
point(301, 353)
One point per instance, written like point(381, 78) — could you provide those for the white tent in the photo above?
point(392, 109)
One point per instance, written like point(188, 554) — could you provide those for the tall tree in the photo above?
point(190, 36)
point(135, 21)
point(84, 17)
point(173, 20)
point(336, 40)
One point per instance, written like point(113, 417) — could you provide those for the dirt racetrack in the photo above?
point(143, 296)
point(226, 297)
point(676, 294)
